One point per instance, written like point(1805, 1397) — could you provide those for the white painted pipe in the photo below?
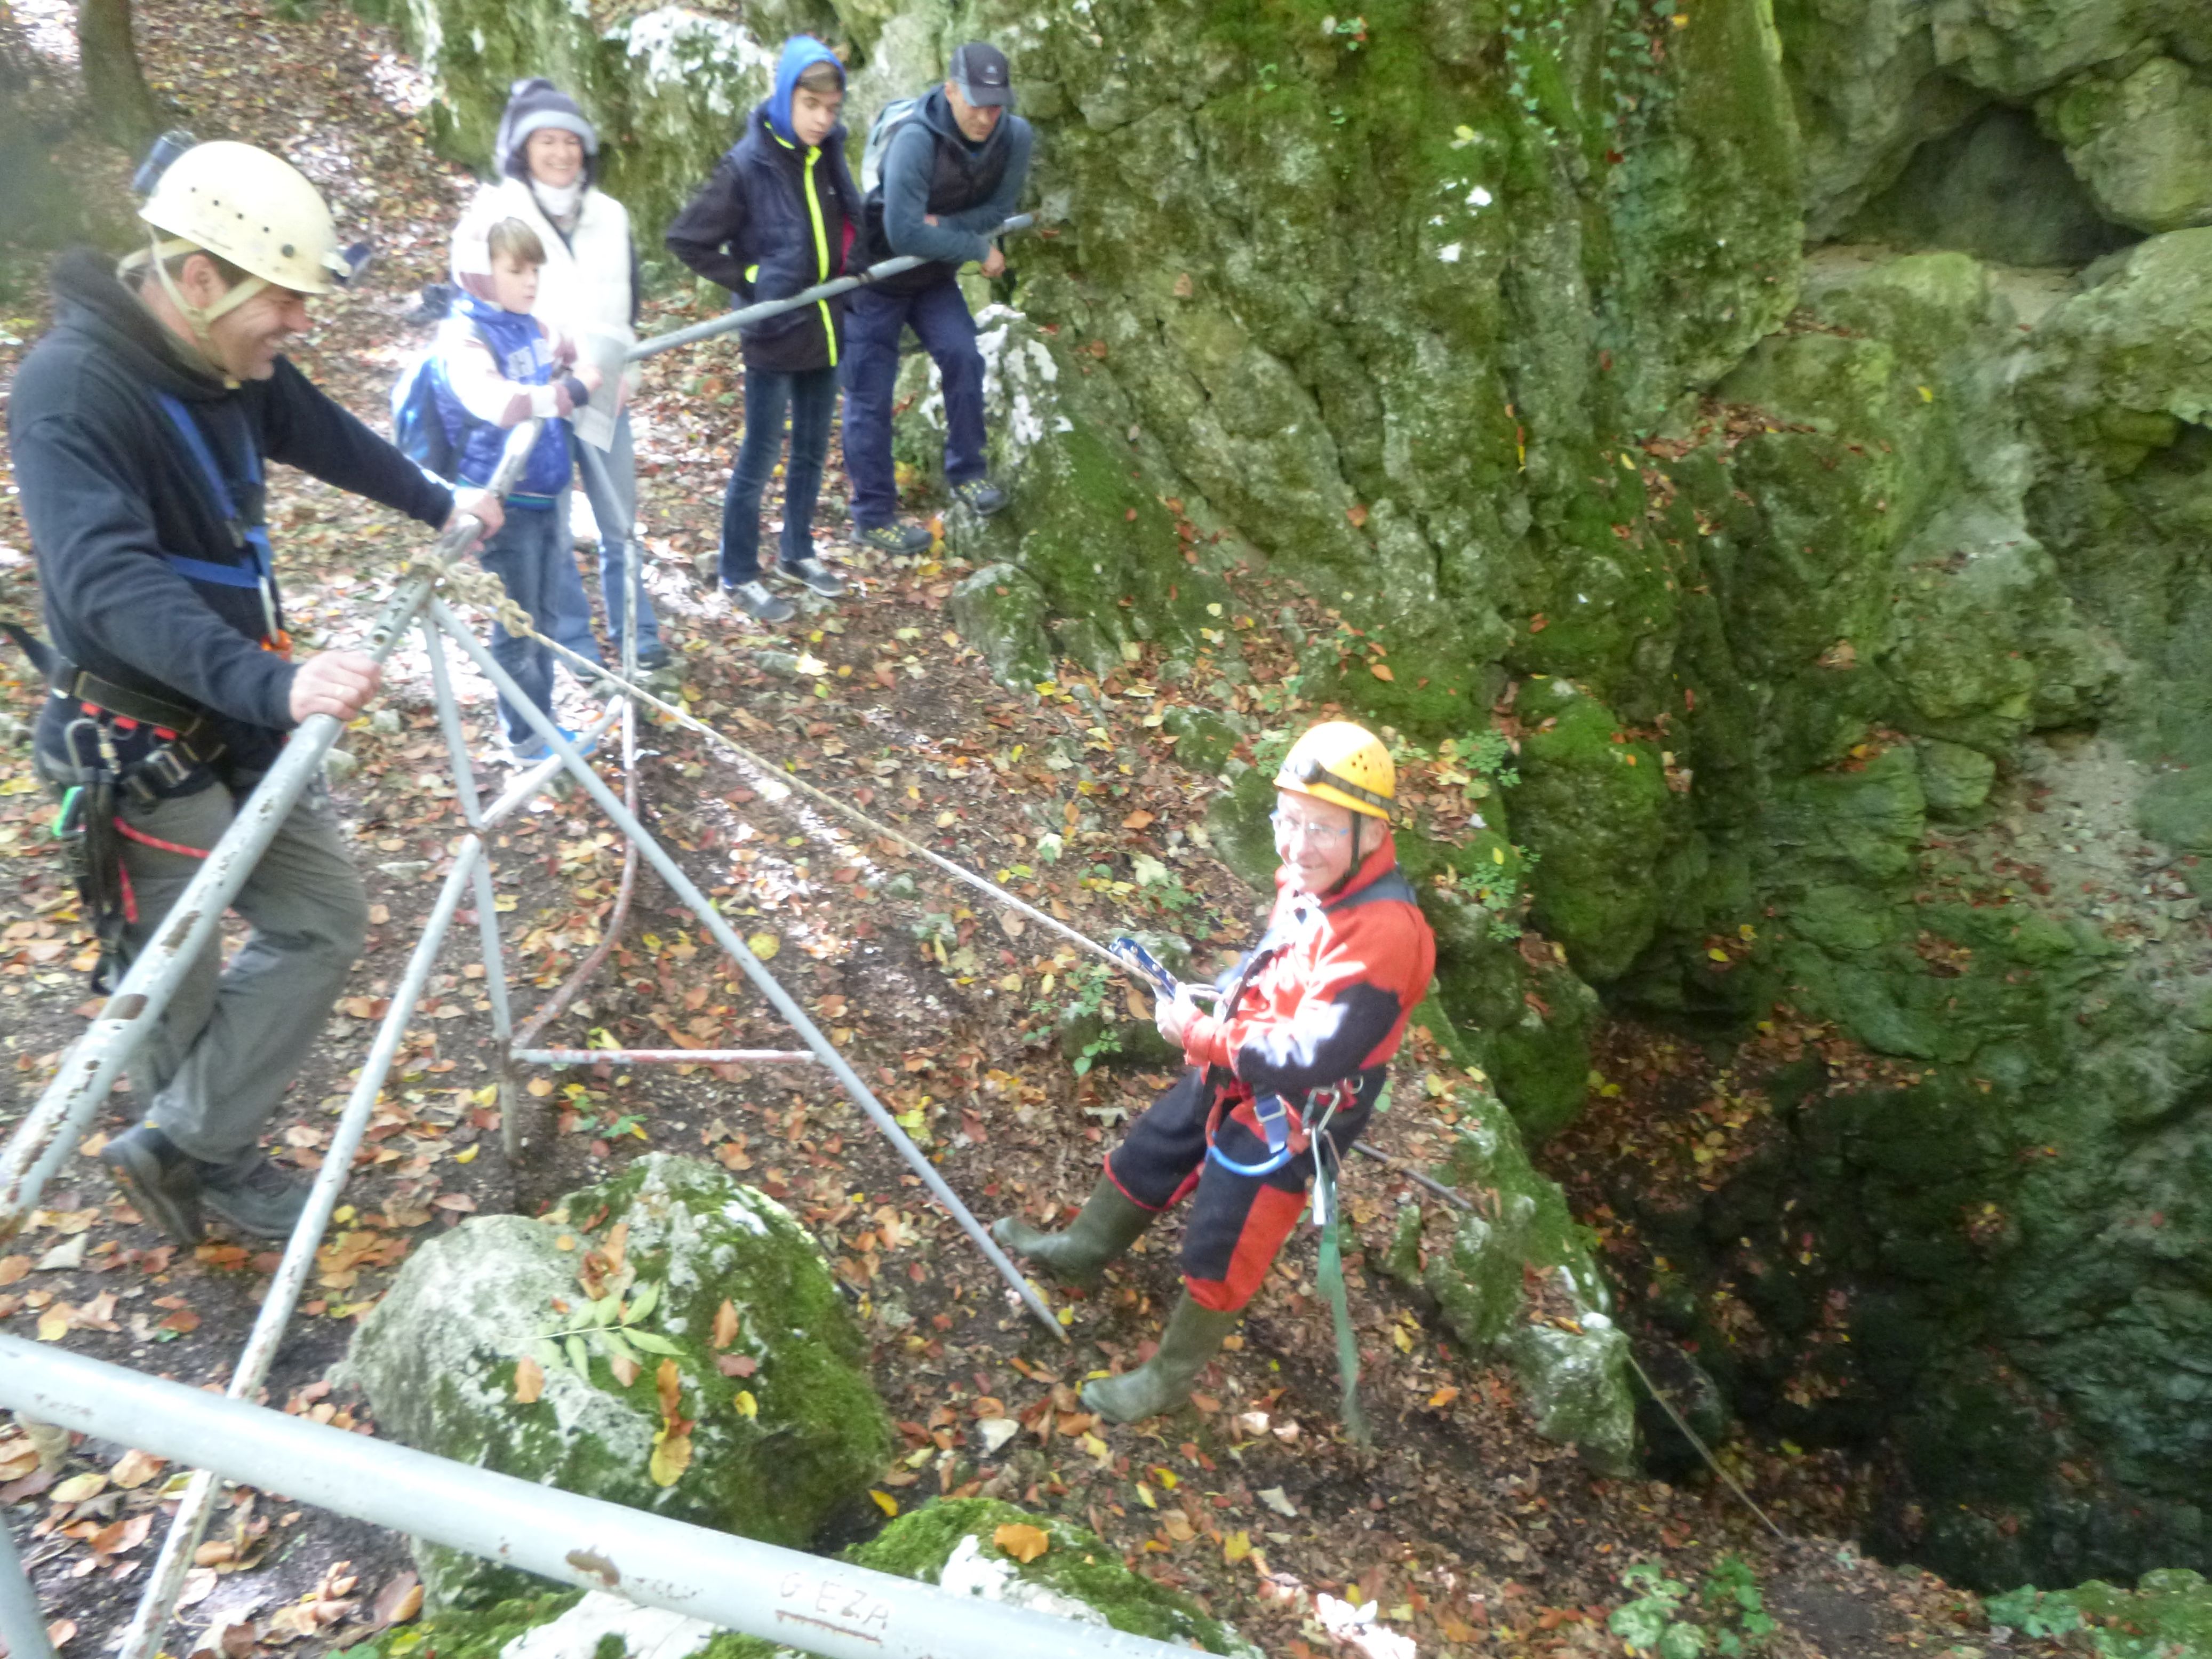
point(806, 1602)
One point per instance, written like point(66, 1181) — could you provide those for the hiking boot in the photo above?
point(818, 576)
point(163, 1184)
point(652, 656)
point(979, 495)
point(755, 601)
point(1110, 1224)
point(255, 1198)
point(901, 541)
point(1192, 1336)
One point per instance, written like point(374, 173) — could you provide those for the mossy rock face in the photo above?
point(1000, 612)
point(2141, 142)
point(2116, 390)
point(953, 1544)
point(1954, 779)
point(438, 1360)
point(1575, 1371)
point(1594, 806)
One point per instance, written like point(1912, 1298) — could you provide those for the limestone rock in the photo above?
point(1954, 779)
point(1571, 1359)
point(2142, 145)
point(439, 1360)
point(952, 1543)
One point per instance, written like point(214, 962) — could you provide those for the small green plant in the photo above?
point(2033, 1612)
point(1732, 1601)
point(1269, 73)
point(1480, 763)
point(1351, 32)
point(1726, 1615)
point(609, 1329)
point(1089, 986)
point(1503, 891)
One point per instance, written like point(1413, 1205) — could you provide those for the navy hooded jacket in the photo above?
point(776, 218)
point(113, 498)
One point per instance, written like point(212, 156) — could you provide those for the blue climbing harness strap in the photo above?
point(253, 538)
point(1274, 1113)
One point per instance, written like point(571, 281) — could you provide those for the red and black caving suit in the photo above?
point(1325, 1000)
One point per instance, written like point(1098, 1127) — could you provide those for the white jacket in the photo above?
point(585, 285)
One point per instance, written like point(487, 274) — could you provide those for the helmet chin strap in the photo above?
point(199, 318)
point(1352, 868)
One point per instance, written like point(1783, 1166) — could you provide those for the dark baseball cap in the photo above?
point(979, 69)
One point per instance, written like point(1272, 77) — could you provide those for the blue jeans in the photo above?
point(528, 556)
point(568, 618)
point(811, 395)
point(947, 332)
point(610, 485)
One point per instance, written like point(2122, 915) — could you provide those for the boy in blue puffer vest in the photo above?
point(498, 367)
point(781, 214)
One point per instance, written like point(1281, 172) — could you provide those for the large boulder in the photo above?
point(571, 1348)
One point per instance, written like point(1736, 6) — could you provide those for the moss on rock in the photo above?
point(953, 1543)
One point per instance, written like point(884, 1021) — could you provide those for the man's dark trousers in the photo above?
point(872, 321)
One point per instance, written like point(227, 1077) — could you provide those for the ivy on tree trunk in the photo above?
point(123, 107)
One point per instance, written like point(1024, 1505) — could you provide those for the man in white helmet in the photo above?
point(140, 428)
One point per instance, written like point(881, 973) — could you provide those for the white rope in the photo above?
point(517, 621)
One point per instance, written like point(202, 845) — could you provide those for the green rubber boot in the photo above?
point(1163, 1382)
point(1110, 1224)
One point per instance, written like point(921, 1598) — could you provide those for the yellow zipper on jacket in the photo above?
point(820, 252)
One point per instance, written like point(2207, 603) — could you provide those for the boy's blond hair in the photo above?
point(822, 77)
point(515, 240)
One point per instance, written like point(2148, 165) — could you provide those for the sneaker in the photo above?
point(256, 1198)
point(755, 601)
point(161, 1182)
point(818, 577)
point(979, 495)
point(653, 658)
point(530, 749)
point(901, 541)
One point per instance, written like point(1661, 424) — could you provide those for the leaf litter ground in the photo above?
point(1466, 1531)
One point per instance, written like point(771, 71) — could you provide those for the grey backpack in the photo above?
point(896, 114)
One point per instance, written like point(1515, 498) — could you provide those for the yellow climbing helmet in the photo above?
point(1339, 762)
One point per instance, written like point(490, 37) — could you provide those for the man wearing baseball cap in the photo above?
point(942, 170)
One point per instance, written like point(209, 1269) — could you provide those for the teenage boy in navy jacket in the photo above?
point(781, 214)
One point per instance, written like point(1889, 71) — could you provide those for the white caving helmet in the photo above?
point(243, 204)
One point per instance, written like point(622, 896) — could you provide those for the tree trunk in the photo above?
point(123, 107)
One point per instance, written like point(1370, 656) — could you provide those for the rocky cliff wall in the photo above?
point(1850, 617)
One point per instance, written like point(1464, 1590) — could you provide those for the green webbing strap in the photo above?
point(1330, 1275)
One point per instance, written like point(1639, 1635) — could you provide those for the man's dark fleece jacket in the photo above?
point(109, 488)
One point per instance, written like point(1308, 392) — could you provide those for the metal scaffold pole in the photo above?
point(686, 889)
point(814, 1603)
